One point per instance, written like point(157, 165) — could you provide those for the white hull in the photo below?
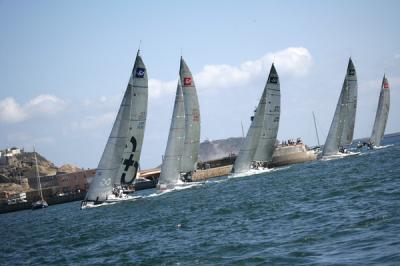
point(339, 155)
point(110, 200)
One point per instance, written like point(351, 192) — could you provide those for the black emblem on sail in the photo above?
point(273, 79)
point(130, 163)
point(140, 72)
point(352, 72)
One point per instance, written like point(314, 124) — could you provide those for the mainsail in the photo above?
point(351, 102)
point(342, 127)
point(249, 146)
point(266, 145)
point(138, 84)
point(192, 119)
point(381, 114)
point(170, 168)
point(128, 128)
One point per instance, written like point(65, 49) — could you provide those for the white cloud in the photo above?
point(292, 61)
point(102, 102)
point(46, 104)
point(13, 112)
point(158, 87)
point(94, 122)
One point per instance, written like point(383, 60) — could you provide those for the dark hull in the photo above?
point(39, 205)
point(145, 184)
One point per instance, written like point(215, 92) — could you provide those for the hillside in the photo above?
point(211, 150)
point(23, 166)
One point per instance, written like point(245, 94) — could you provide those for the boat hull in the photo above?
point(41, 204)
point(87, 204)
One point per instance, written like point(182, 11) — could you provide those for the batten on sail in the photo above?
point(382, 114)
point(192, 119)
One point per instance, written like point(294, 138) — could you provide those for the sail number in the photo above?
point(130, 162)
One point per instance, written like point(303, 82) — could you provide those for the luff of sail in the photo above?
point(266, 144)
point(382, 113)
point(138, 84)
point(249, 146)
point(192, 119)
point(334, 137)
point(350, 117)
point(110, 162)
point(170, 168)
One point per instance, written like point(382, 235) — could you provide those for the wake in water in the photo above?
point(339, 156)
point(252, 172)
point(179, 186)
point(383, 147)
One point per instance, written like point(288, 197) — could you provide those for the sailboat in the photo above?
point(381, 115)
point(41, 203)
point(259, 144)
point(192, 123)
point(119, 163)
point(181, 153)
point(342, 127)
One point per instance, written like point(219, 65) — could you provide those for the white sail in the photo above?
point(266, 145)
point(342, 127)
point(138, 84)
point(350, 118)
point(249, 146)
point(170, 168)
point(192, 119)
point(122, 132)
point(382, 113)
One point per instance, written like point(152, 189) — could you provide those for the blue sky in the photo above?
point(65, 64)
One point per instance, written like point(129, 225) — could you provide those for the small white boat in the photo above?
point(40, 204)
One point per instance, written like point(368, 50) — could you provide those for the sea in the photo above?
point(337, 212)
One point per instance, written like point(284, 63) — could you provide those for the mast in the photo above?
point(315, 126)
point(37, 175)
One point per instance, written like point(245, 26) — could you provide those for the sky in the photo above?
point(64, 66)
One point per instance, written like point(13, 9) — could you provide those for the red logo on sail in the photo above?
point(187, 81)
point(386, 85)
